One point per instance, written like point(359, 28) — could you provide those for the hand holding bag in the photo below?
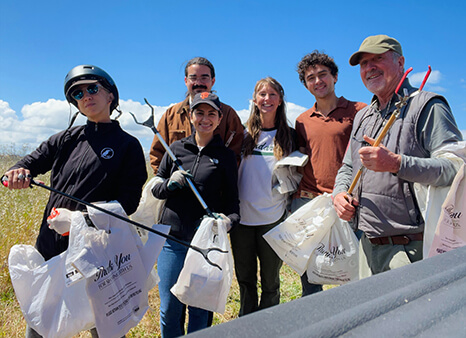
point(200, 284)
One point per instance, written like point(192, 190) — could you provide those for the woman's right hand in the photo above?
point(178, 180)
point(18, 178)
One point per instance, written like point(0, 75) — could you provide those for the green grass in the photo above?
point(20, 216)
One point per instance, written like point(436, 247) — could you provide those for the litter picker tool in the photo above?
point(403, 100)
point(150, 123)
point(203, 252)
point(297, 238)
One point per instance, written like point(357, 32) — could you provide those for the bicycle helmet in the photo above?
point(87, 74)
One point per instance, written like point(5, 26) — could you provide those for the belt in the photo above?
point(306, 194)
point(397, 240)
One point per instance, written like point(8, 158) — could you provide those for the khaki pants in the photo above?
point(375, 258)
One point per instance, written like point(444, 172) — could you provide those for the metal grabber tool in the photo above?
point(150, 124)
point(203, 252)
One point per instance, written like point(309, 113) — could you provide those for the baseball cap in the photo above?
point(376, 44)
point(206, 97)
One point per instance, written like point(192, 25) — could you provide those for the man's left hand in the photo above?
point(379, 158)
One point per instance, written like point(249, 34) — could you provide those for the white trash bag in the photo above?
point(52, 294)
point(297, 236)
point(61, 297)
point(451, 228)
point(200, 284)
point(335, 260)
point(149, 209)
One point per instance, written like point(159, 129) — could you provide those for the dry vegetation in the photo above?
point(21, 212)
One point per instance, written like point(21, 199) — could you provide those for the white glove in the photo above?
point(223, 220)
point(60, 221)
point(178, 179)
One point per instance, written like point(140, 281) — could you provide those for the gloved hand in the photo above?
point(223, 221)
point(60, 221)
point(178, 179)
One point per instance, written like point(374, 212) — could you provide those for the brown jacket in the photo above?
point(175, 125)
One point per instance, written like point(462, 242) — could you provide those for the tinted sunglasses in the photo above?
point(92, 89)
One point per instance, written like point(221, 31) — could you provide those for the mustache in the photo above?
point(199, 87)
point(373, 72)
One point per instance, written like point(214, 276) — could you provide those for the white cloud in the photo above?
point(417, 78)
point(293, 111)
point(39, 120)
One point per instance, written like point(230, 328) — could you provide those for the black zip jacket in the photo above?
point(95, 162)
point(215, 175)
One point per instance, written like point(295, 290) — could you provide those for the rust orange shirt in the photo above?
point(325, 140)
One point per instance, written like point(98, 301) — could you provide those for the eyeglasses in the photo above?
point(202, 78)
point(92, 89)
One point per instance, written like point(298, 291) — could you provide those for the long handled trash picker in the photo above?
point(203, 252)
point(150, 123)
point(400, 104)
point(295, 239)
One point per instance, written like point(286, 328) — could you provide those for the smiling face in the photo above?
point(96, 107)
point(320, 81)
point(267, 100)
point(198, 79)
point(381, 73)
point(205, 119)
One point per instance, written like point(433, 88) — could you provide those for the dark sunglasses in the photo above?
point(92, 89)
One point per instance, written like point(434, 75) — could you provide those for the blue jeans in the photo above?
point(308, 288)
point(172, 311)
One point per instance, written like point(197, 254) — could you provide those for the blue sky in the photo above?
point(144, 45)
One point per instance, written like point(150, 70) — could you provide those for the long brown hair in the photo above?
point(283, 143)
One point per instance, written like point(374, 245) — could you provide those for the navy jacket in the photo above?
point(215, 176)
point(95, 162)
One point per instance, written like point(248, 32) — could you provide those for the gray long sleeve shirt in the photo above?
point(436, 127)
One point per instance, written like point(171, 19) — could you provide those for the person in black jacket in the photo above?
point(213, 170)
point(94, 162)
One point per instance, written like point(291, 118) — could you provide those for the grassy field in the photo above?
point(21, 212)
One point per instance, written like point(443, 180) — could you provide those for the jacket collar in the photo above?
point(101, 127)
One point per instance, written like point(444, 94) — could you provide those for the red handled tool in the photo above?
point(400, 104)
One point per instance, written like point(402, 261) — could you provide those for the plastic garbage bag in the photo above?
point(451, 228)
point(149, 209)
point(200, 284)
point(52, 294)
point(297, 236)
point(335, 260)
point(59, 297)
point(431, 198)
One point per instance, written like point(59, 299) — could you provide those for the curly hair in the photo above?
point(284, 142)
point(314, 59)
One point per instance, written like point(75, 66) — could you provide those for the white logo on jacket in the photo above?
point(107, 153)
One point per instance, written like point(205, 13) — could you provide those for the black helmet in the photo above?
point(89, 72)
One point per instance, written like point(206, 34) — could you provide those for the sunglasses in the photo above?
point(92, 89)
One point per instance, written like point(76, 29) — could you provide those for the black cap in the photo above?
point(206, 97)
